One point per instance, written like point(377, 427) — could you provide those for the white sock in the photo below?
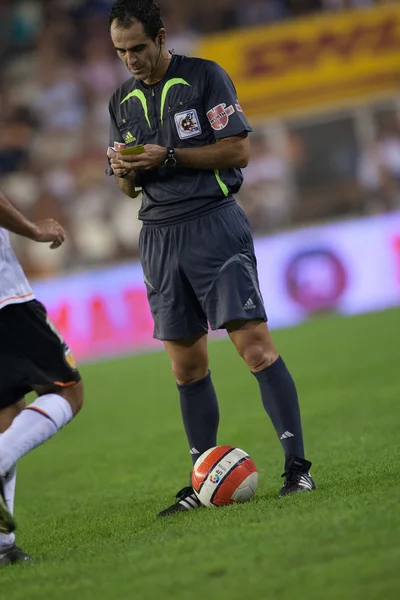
point(7, 539)
point(34, 425)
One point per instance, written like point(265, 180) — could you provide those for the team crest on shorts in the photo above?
point(69, 358)
point(187, 124)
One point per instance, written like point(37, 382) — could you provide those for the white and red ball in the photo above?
point(224, 475)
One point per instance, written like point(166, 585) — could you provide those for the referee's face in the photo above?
point(138, 52)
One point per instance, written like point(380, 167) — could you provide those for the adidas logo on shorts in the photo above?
point(249, 305)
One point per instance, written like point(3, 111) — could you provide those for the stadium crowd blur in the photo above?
point(58, 71)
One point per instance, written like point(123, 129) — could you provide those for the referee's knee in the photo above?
point(189, 373)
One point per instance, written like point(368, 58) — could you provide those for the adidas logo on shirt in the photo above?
point(129, 138)
point(249, 305)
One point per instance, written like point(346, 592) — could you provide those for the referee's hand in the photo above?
point(48, 230)
point(117, 166)
point(152, 158)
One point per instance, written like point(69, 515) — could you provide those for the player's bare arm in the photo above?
point(47, 230)
point(230, 152)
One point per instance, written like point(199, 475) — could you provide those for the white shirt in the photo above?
point(14, 286)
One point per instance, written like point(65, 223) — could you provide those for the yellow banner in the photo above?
point(300, 63)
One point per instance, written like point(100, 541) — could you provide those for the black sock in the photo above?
point(200, 415)
point(279, 397)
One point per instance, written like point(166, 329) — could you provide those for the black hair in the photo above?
point(147, 12)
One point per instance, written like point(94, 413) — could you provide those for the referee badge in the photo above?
point(187, 124)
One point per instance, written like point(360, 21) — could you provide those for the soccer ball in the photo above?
point(224, 475)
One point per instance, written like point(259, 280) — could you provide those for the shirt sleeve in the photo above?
point(222, 106)
point(114, 135)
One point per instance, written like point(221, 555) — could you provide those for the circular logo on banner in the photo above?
point(316, 279)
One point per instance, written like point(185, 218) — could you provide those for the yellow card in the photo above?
point(134, 150)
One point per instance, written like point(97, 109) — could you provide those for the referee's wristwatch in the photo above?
point(170, 161)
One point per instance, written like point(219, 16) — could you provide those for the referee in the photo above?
point(196, 246)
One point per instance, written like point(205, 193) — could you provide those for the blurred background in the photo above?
point(339, 155)
point(318, 79)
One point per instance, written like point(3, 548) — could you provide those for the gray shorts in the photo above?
point(199, 271)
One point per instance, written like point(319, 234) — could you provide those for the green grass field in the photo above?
point(86, 500)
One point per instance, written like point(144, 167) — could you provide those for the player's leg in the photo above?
point(279, 396)
point(7, 415)
point(233, 301)
point(9, 552)
point(198, 400)
point(199, 406)
point(51, 411)
point(181, 324)
point(30, 427)
point(35, 357)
